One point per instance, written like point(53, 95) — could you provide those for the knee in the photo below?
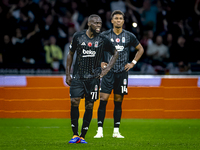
point(89, 105)
point(75, 102)
point(118, 98)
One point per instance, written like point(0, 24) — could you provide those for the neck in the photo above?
point(89, 33)
point(117, 31)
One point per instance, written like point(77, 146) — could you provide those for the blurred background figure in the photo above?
point(158, 54)
point(54, 54)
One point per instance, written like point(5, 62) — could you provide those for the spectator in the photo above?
point(49, 27)
point(118, 5)
point(148, 13)
point(54, 54)
point(66, 51)
point(146, 40)
point(107, 23)
point(178, 51)
point(22, 7)
point(158, 53)
point(195, 50)
point(197, 7)
point(19, 45)
point(6, 51)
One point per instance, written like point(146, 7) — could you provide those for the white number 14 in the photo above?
point(124, 89)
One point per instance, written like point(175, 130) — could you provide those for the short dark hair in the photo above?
point(117, 12)
point(92, 16)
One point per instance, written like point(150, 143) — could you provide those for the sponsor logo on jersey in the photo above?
point(96, 44)
point(119, 48)
point(88, 53)
point(111, 40)
point(89, 44)
point(123, 39)
point(117, 40)
point(83, 43)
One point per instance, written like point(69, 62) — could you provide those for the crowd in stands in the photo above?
point(36, 33)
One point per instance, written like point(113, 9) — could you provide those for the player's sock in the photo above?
point(101, 113)
point(74, 119)
point(117, 114)
point(86, 122)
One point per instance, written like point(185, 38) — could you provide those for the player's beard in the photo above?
point(94, 31)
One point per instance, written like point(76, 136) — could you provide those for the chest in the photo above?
point(89, 47)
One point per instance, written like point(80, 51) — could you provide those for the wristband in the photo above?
point(134, 62)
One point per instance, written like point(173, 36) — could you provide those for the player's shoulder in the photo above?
point(106, 32)
point(79, 33)
point(103, 36)
point(128, 33)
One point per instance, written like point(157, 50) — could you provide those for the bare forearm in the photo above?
point(69, 63)
point(139, 53)
point(113, 60)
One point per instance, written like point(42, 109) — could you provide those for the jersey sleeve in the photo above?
point(73, 45)
point(108, 46)
point(134, 41)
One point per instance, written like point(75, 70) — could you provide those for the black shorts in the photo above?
point(116, 81)
point(85, 88)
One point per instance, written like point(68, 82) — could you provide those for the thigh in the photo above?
point(77, 89)
point(121, 83)
point(107, 83)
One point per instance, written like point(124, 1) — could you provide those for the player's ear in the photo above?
point(111, 20)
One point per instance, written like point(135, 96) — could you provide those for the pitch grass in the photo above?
point(140, 134)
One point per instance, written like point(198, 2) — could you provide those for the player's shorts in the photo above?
point(85, 88)
point(116, 81)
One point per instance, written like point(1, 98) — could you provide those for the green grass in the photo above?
point(140, 134)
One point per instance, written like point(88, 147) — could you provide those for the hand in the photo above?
point(104, 72)
point(129, 66)
point(103, 65)
point(68, 79)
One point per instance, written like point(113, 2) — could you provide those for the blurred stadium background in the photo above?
point(35, 34)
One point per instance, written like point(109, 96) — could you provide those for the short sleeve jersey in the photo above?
point(89, 54)
point(122, 43)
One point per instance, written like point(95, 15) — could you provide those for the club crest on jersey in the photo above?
point(123, 39)
point(89, 44)
point(95, 88)
point(111, 40)
point(117, 40)
point(125, 81)
point(96, 44)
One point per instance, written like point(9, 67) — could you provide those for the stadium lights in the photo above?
point(134, 24)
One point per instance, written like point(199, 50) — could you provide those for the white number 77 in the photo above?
point(94, 95)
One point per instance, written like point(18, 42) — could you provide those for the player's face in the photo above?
point(96, 24)
point(117, 21)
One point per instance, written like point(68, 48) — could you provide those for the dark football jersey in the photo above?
point(122, 43)
point(89, 54)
